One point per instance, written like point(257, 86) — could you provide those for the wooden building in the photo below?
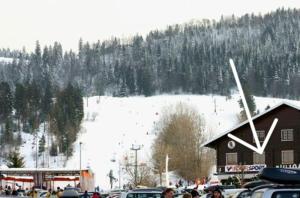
point(282, 150)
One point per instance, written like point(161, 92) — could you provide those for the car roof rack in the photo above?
point(253, 184)
point(146, 190)
point(275, 186)
point(281, 175)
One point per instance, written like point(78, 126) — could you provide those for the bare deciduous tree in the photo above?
point(145, 176)
point(180, 134)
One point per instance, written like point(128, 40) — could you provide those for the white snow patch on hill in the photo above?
point(6, 60)
point(111, 125)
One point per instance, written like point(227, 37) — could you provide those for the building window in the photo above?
point(261, 135)
point(287, 157)
point(258, 159)
point(231, 158)
point(287, 135)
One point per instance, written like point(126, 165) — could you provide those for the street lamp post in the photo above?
point(36, 150)
point(136, 149)
point(80, 143)
point(80, 179)
point(119, 171)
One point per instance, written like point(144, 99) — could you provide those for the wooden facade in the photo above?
point(282, 150)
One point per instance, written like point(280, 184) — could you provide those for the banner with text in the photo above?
point(244, 168)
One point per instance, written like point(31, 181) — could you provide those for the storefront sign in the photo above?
point(288, 166)
point(244, 168)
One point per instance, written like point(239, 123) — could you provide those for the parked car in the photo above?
point(70, 194)
point(81, 194)
point(115, 193)
point(248, 187)
point(229, 193)
point(276, 192)
point(285, 183)
point(243, 194)
point(72, 188)
point(143, 193)
point(104, 195)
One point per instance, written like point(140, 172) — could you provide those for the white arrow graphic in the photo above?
point(259, 149)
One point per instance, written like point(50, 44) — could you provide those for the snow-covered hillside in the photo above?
point(111, 125)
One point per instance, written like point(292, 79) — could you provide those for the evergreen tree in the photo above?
point(42, 143)
point(45, 70)
point(20, 103)
point(46, 101)
point(6, 101)
point(19, 139)
point(99, 86)
point(123, 90)
point(191, 58)
point(7, 135)
point(34, 97)
point(36, 63)
point(250, 102)
point(147, 85)
point(53, 150)
point(66, 117)
point(15, 160)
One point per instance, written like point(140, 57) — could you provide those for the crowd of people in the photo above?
point(58, 193)
point(214, 193)
point(8, 190)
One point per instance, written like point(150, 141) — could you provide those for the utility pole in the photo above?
point(136, 149)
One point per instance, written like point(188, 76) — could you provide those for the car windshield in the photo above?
point(143, 195)
point(283, 194)
point(244, 194)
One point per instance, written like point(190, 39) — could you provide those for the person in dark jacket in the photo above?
point(195, 194)
point(85, 194)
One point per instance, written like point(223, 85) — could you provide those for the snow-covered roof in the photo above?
point(3, 166)
point(246, 122)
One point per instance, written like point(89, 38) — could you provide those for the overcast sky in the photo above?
point(22, 22)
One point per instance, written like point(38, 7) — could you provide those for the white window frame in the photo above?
point(259, 135)
point(287, 161)
point(287, 135)
point(236, 156)
point(257, 156)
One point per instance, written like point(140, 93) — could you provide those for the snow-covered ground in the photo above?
point(6, 60)
point(111, 125)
